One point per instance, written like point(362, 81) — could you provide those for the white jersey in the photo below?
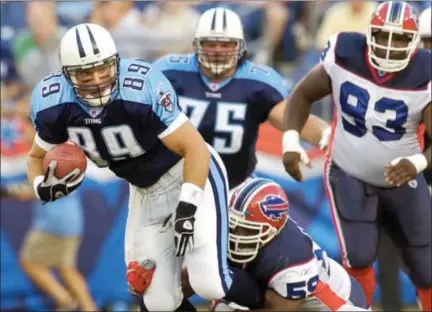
point(376, 118)
point(332, 274)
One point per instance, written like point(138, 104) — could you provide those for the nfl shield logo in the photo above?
point(95, 111)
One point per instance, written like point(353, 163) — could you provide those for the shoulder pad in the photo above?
point(179, 62)
point(52, 90)
point(263, 74)
point(297, 281)
point(342, 48)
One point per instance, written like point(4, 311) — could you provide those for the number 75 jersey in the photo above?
point(227, 114)
point(377, 116)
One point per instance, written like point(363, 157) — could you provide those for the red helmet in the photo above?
point(394, 18)
point(258, 211)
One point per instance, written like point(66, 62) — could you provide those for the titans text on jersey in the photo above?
point(124, 135)
point(227, 114)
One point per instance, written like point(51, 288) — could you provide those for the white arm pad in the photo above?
point(38, 180)
point(190, 193)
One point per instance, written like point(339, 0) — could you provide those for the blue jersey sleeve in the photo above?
point(145, 84)
point(47, 108)
point(164, 102)
point(273, 88)
point(181, 62)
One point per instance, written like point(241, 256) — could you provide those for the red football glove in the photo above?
point(139, 276)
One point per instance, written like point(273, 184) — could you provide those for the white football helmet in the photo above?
point(219, 24)
point(425, 21)
point(88, 46)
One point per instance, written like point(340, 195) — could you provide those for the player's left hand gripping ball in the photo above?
point(139, 276)
point(184, 227)
point(52, 188)
point(402, 170)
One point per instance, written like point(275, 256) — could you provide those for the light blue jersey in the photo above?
point(125, 134)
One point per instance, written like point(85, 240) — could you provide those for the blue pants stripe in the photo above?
point(220, 191)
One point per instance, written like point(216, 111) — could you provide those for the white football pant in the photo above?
point(145, 238)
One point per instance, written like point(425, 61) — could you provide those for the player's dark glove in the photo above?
point(52, 188)
point(184, 227)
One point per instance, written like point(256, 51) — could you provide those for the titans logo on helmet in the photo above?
point(274, 207)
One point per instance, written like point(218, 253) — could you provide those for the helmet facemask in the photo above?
point(94, 94)
point(219, 54)
point(247, 237)
point(390, 49)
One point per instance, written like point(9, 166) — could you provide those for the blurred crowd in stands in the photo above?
point(287, 35)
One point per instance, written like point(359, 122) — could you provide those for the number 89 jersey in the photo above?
point(125, 134)
point(377, 115)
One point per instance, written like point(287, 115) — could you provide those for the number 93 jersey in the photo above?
point(227, 114)
point(377, 114)
point(124, 134)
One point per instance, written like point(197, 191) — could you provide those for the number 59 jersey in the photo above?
point(295, 267)
point(377, 116)
point(125, 134)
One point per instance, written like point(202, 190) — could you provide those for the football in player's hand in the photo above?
point(68, 157)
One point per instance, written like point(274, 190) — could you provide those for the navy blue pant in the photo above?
point(360, 209)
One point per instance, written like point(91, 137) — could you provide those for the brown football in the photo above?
point(68, 157)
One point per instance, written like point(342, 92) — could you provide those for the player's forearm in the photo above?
point(196, 165)
point(34, 162)
point(313, 130)
point(34, 168)
point(296, 111)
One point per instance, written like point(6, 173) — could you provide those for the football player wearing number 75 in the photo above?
point(381, 87)
point(124, 114)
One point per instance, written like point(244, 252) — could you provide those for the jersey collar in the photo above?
point(214, 87)
point(377, 76)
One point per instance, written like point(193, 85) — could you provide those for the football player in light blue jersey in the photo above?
point(124, 114)
point(228, 97)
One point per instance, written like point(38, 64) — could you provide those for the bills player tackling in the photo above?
point(381, 87)
point(124, 114)
point(268, 245)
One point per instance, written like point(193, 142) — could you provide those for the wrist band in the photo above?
point(38, 180)
point(190, 193)
point(419, 161)
point(290, 138)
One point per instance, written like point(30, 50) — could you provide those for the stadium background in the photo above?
point(146, 30)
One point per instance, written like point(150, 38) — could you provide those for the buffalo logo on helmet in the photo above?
point(274, 207)
point(165, 101)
